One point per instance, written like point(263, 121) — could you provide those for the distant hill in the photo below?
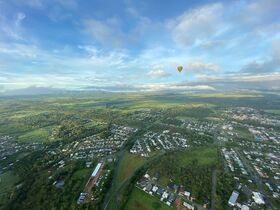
point(33, 91)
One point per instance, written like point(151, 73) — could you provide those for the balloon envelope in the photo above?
point(180, 68)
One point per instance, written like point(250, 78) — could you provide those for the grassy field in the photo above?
point(140, 200)
point(273, 111)
point(128, 165)
point(204, 156)
point(244, 133)
point(83, 174)
point(37, 135)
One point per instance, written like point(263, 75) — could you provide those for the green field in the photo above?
point(140, 200)
point(82, 174)
point(128, 165)
point(37, 135)
point(244, 133)
point(203, 156)
point(273, 111)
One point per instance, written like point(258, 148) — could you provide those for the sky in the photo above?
point(127, 45)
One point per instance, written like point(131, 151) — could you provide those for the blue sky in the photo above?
point(136, 45)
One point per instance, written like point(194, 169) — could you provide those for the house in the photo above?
point(187, 194)
point(160, 191)
point(156, 176)
point(148, 187)
point(206, 203)
point(244, 207)
point(172, 186)
point(142, 183)
point(258, 198)
point(88, 164)
point(176, 188)
point(164, 195)
point(147, 176)
point(81, 198)
point(171, 198)
point(246, 190)
point(188, 206)
point(154, 189)
point(233, 198)
point(59, 184)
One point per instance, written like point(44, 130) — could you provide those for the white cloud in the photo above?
point(19, 18)
point(209, 26)
point(197, 24)
point(269, 65)
point(197, 67)
point(115, 58)
point(107, 32)
point(174, 87)
point(158, 73)
point(21, 50)
point(259, 12)
point(12, 28)
point(235, 81)
point(238, 77)
point(215, 24)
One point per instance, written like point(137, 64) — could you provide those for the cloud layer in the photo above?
point(127, 45)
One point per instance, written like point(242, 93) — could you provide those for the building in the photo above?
point(187, 194)
point(233, 198)
point(81, 198)
point(154, 189)
point(244, 207)
point(96, 170)
point(188, 206)
point(258, 198)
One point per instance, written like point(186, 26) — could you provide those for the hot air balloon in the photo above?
point(180, 68)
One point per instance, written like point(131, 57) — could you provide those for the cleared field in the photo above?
point(37, 135)
point(82, 174)
point(139, 200)
point(203, 156)
point(244, 133)
point(128, 165)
